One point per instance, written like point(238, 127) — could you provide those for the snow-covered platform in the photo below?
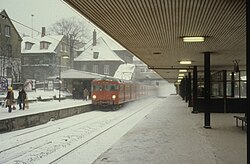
point(40, 112)
point(172, 134)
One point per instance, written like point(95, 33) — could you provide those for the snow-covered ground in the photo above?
point(171, 134)
point(66, 140)
point(157, 130)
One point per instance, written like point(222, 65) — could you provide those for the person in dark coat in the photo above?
point(21, 99)
point(74, 92)
point(10, 99)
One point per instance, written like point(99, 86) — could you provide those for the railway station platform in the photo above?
point(40, 113)
point(171, 134)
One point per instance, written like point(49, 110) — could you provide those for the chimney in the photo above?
point(94, 38)
point(43, 32)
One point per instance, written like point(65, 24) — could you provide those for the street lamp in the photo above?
point(64, 56)
point(32, 15)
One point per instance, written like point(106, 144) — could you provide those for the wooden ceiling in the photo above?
point(153, 29)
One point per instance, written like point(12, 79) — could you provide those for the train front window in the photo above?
point(97, 87)
point(112, 87)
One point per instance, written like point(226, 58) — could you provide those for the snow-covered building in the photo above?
point(125, 72)
point(10, 49)
point(98, 58)
point(42, 56)
point(143, 74)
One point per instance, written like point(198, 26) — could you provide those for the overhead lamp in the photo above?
point(193, 39)
point(185, 62)
point(178, 81)
point(182, 70)
point(232, 74)
point(181, 75)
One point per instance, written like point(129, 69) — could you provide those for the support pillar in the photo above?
point(182, 89)
point(225, 91)
point(186, 89)
point(232, 84)
point(195, 91)
point(190, 102)
point(207, 75)
point(248, 73)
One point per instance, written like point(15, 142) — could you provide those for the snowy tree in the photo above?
point(76, 30)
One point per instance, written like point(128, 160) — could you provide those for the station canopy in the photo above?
point(154, 30)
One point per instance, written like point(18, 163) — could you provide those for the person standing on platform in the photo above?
point(74, 92)
point(10, 99)
point(21, 99)
point(85, 94)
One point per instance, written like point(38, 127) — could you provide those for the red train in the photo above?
point(111, 92)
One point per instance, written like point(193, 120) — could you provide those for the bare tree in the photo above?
point(70, 27)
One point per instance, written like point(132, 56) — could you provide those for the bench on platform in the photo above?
point(243, 120)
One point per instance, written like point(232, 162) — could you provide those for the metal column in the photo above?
point(186, 89)
point(232, 84)
point(207, 90)
point(189, 90)
point(248, 72)
point(225, 90)
point(195, 92)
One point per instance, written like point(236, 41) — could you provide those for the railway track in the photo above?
point(62, 141)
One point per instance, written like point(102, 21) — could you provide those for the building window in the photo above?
point(95, 55)
point(95, 68)
point(106, 69)
point(7, 30)
point(63, 47)
point(142, 69)
point(84, 67)
point(28, 45)
point(9, 71)
point(25, 60)
point(44, 45)
point(9, 51)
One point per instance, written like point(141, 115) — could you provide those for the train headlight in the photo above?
point(113, 97)
point(94, 97)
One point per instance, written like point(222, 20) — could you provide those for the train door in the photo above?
point(131, 96)
point(121, 93)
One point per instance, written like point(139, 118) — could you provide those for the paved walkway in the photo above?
point(171, 134)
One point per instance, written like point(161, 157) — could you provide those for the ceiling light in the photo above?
point(193, 39)
point(181, 75)
point(178, 81)
point(182, 70)
point(185, 62)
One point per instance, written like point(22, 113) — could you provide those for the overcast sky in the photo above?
point(46, 12)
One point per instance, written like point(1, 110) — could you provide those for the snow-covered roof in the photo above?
point(125, 71)
point(113, 45)
point(76, 74)
point(3, 14)
point(103, 50)
point(54, 40)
